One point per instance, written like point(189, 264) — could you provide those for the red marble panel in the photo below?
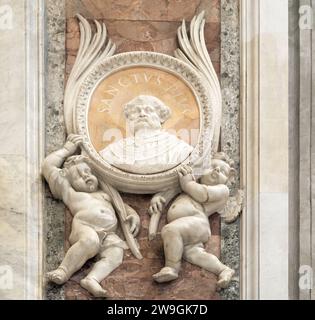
point(139, 10)
point(143, 36)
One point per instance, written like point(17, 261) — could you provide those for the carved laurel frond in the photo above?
point(93, 48)
point(122, 215)
point(193, 51)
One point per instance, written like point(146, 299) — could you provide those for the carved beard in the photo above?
point(147, 123)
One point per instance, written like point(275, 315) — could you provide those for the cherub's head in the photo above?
point(146, 112)
point(221, 171)
point(79, 174)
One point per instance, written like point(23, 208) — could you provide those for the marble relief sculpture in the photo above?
point(188, 229)
point(149, 149)
point(94, 223)
point(88, 175)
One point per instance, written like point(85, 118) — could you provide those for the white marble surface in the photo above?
point(274, 246)
point(12, 223)
point(12, 157)
point(274, 147)
point(265, 227)
point(20, 140)
point(12, 70)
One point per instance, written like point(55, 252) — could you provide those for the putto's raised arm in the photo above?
point(188, 184)
point(51, 169)
point(55, 160)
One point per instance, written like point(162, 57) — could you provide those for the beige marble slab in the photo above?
point(21, 146)
point(12, 154)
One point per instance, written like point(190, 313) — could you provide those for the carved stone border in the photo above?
point(151, 183)
point(55, 133)
point(230, 132)
point(34, 133)
point(264, 150)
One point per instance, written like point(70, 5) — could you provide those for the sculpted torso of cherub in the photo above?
point(89, 205)
point(94, 220)
point(188, 225)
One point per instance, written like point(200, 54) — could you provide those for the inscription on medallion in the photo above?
point(107, 122)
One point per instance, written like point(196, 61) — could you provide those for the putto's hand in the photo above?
point(75, 139)
point(185, 176)
point(73, 142)
point(184, 170)
point(156, 206)
point(134, 224)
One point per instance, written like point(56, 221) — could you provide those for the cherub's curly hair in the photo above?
point(163, 110)
point(73, 160)
point(224, 157)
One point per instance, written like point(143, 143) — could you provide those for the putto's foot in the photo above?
point(58, 276)
point(225, 277)
point(93, 287)
point(166, 274)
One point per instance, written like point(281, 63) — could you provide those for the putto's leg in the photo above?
point(225, 277)
point(173, 252)
point(173, 245)
point(58, 276)
point(85, 246)
point(198, 256)
point(176, 235)
point(110, 259)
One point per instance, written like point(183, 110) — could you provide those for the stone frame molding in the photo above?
point(34, 90)
point(150, 183)
point(264, 149)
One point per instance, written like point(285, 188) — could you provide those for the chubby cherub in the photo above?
point(188, 227)
point(94, 223)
